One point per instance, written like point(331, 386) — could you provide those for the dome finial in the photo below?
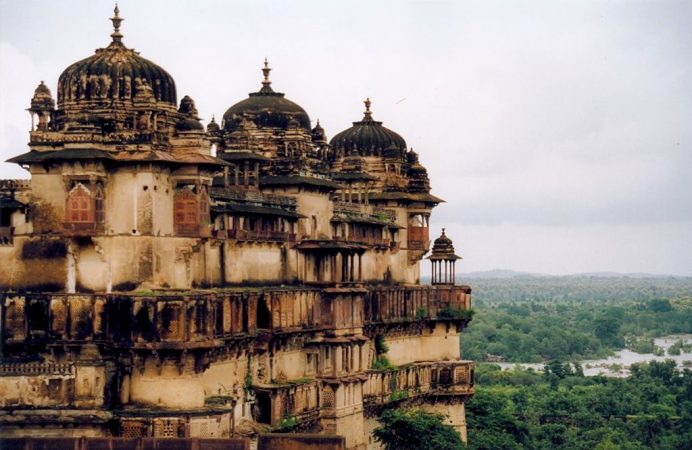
point(117, 20)
point(266, 84)
point(368, 113)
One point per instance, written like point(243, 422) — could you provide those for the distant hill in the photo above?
point(626, 275)
point(500, 273)
point(505, 274)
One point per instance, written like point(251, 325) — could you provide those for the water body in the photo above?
point(625, 358)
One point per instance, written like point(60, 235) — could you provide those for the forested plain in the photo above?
point(559, 321)
point(531, 319)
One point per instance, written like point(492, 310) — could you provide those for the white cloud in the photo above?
point(556, 125)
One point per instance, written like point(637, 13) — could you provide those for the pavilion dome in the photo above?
point(42, 99)
point(115, 73)
point(266, 108)
point(443, 248)
point(368, 138)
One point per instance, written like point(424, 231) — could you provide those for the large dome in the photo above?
point(115, 73)
point(367, 138)
point(266, 108)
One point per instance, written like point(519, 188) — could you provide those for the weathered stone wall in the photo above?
point(37, 264)
point(36, 385)
point(317, 209)
point(455, 412)
point(254, 263)
point(440, 344)
point(162, 385)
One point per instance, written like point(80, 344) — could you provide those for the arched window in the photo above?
point(79, 207)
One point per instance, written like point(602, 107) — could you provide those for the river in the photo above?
point(618, 364)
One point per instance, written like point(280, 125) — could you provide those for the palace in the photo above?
point(164, 279)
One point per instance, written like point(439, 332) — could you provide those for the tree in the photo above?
point(606, 329)
point(415, 429)
point(660, 305)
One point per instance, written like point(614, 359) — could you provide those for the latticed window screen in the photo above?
point(132, 429)
point(187, 210)
point(461, 375)
point(328, 400)
point(204, 430)
point(79, 208)
point(169, 428)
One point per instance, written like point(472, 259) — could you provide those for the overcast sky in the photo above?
point(559, 132)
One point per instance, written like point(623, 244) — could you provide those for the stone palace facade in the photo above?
point(160, 278)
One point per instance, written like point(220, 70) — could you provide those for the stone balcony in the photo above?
point(205, 319)
point(440, 378)
point(293, 402)
point(412, 303)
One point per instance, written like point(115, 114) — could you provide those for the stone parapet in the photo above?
point(414, 303)
point(206, 319)
point(439, 378)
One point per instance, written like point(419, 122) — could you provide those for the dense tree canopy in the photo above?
point(526, 409)
point(415, 429)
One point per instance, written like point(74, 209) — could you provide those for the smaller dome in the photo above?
point(318, 131)
point(213, 127)
point(191, 121)
point(187, 106)
point(418, 179)
point(319, 137)
point(443, 248)
point(42, 99)
point(392, 152)
point(369, 138)
point(189, 125)
point(266, 108)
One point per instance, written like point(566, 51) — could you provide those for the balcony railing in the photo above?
point(410, 303)
point(349, 208)
point(258, 235)
point(8, 184)
point(367, 240)
point(442, 378)
point(82, 228)
point(252, 196)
